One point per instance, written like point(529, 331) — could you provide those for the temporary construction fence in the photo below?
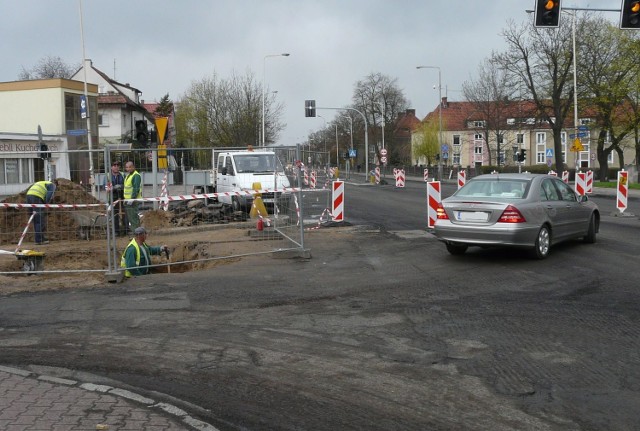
point(188, 217)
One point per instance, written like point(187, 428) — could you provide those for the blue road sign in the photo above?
point(352, 152)
point(583, 128)
point(549, 152)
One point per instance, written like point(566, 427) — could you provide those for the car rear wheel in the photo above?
point(543, 243)
point(456, 249)
point(590, 237)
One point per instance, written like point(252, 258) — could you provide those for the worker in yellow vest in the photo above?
point(40, 193)
point(132, 190)
point(137, 256)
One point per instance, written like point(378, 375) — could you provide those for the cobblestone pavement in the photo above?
point(29, 401)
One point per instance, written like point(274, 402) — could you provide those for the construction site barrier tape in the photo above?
point(157, 199)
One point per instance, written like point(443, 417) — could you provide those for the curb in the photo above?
point(160, 407)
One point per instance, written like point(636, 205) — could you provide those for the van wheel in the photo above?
point(235, 205)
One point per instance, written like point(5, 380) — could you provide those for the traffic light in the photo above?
point(309, 108)
point(630, 15)
point(522, 155)
point(142, 133)
point(547, 13)
point(44, 153)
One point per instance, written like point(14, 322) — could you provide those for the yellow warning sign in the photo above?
point(161, 128)
point(162, 156)
point(577, 145)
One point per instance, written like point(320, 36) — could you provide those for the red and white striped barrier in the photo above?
point(462, 179)
point(377, 174)
point(24, 232)
point(400, 178)
point(623, 190)
point(306, 177)
point(332, 172)
point(426, 175)
point(434, 199)
point(321, 219)
point(553, 173)
point(337, 209)
point(565, 177)
point(313, 179)
point(165, 204)
point(581, 183)
point(589, 188)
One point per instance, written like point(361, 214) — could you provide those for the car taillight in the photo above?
point(511, 215)
point(441, 214)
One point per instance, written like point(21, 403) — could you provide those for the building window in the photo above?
point(478, 149)
point(520, 138)
point(456, 140)
point(541, 153)
point(478, 137)
point(456, 158)
point(541, 138)
point(103, 120)
point(478, 124)
point(500, 138)
point(15, 171)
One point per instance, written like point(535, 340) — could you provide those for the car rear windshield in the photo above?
point(495, 188)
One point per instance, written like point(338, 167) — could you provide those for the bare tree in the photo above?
point(48, 67)
point(491, 95)
point(372, 96)
point(541, 59)
point(218, 112)
point(609, 75)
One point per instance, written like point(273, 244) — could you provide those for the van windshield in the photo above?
point(255, 163)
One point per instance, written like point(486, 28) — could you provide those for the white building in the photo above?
point(54, 105)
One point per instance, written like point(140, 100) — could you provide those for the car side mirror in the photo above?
point(583, 198)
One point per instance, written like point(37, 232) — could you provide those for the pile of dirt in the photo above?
point(63, 224)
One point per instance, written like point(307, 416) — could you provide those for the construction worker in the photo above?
point(137, 256)
point(115, 183)
point(40, 192)
point(132, 190)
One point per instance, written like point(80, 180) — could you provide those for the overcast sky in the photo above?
point(161, 46)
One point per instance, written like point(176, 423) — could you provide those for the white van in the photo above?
point(240, 170)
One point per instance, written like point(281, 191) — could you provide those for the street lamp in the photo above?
point(324, 139)
point(381, 105)
point(439, 115)
point(347, 163)
point(264, 68)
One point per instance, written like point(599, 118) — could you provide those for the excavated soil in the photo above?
point(77, 254)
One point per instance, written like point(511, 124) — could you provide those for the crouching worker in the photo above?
point(137, 256)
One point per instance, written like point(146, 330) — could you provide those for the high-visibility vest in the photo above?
point(39, 189)
point(128, 186)
point(123, 261)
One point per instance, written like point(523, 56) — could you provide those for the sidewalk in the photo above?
point(31, 401)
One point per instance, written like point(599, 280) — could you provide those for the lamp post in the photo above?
point(439, 115)
point(347, 163)
point(324, 140)
point(264, 90)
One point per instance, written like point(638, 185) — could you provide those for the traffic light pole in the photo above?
point(366, 137)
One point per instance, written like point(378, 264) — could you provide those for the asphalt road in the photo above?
point(381, 329)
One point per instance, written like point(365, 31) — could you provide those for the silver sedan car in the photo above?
point(518, 210)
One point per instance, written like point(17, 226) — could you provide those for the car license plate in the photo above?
point(472, 216)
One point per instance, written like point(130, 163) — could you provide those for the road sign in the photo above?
point(577, 145)
point(383, 159)
point(583, 128)
point(383, 152)
point(352, 153)
point(549, 153)
point(549, 162)
point(445, 148)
